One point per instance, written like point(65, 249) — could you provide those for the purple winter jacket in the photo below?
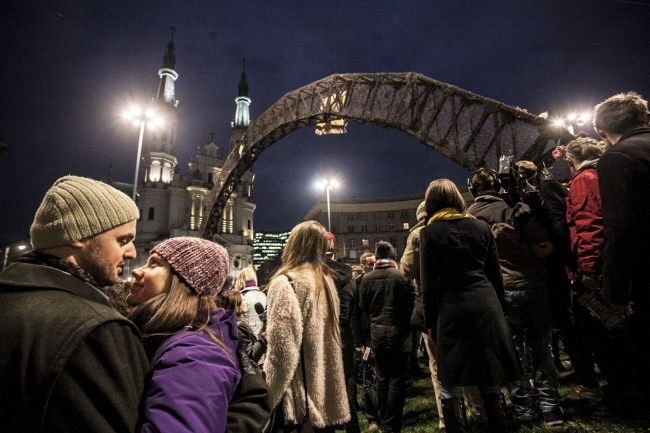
point(192, 380)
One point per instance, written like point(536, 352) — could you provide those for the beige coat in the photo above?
point(299, 316)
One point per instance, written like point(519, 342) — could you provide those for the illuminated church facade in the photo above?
point(175, 202)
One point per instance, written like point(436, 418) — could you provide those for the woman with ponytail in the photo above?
point(303, 337)
point(191, 344)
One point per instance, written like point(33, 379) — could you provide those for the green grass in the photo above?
point(420, 416)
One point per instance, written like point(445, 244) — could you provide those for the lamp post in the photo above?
point(571, 119)
point(141, 118)
point(327, 184)
point(7, 251)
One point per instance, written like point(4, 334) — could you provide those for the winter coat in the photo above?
point(409, 265)
point(386, 298)
point(624, 175)
point(298, 315)
point(253, 295)
point(192, 380)
point(463, 292)
point(253, 346)
point(519, 238)
point(69, 361)
point(345, 286)
point(585, 219)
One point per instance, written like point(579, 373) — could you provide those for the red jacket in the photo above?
point(585, 218)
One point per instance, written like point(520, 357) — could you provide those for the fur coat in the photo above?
point(302, 316)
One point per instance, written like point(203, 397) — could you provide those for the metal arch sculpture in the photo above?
point(470, 129)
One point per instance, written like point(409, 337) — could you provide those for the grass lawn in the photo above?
point(420, 416)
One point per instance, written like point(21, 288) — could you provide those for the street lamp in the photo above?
point(7, 251)
point(327, 184)
point(571, 119)
point(141, 117)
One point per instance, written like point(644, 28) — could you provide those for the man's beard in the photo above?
point(97, 266)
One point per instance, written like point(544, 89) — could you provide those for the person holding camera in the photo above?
point(523, 244)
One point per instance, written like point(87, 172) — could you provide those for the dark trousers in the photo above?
point(575, 333)
point(349, 370)
point(390, 369)
point(528, 314)
point(369, 384)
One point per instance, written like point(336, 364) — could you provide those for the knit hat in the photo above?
point(421, 212)
point(201, 264)
point(76, 208)
point(384, 250)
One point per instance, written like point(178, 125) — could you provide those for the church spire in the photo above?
point(168, 76)
point(243, 82)
point(169, 59)
point(242, 114)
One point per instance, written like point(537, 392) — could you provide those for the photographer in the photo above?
point(522, 244)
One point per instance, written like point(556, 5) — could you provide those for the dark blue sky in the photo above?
point(69, 67)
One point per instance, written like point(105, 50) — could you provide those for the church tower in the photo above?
point(158, 200)
point(236, 225)
point(160, 161)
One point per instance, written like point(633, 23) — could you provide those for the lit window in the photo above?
point(406, 226)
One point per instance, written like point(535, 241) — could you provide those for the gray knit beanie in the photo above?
point(201, 264)
point(76, 208)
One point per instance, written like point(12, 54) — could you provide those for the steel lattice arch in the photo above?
point(472, 130)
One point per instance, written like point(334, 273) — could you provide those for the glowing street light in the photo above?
point(327, 184)
point(141, 117)
point(5, 260)
point(571, 119)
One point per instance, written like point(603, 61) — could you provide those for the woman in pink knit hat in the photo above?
point(191, 344)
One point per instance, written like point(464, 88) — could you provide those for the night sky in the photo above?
point(69, 67)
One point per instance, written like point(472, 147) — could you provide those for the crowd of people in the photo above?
point(487, 289)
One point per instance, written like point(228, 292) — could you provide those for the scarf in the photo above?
point(39, 258)
point(448, 214)
point(250, 283)
point(384, 264)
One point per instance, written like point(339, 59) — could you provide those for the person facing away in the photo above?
point(623, 120)
point(69, 361)
point(523, 245)
point(386, 299)
point(361, 342)
point(254, 346)
point(303, 332)
point(191, 344)
point(463, 296)
point(346, 288)
point(247, 286)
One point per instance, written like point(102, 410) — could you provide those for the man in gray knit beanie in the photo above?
point(70, 362)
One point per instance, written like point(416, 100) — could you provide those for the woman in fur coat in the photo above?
point(302, 322)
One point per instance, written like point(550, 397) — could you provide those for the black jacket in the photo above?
point(386, 298)
point(624, 178)
point(345, 286)
point(463, 296)
point(69, 361)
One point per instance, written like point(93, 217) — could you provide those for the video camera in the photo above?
point(517, 186)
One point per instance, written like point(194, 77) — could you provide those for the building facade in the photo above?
point(175, 202)
point(359, 224)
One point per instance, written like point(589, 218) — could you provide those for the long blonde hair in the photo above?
point(174, 311)
point(307, 243)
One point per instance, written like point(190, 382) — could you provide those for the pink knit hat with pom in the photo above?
point(201, 264)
